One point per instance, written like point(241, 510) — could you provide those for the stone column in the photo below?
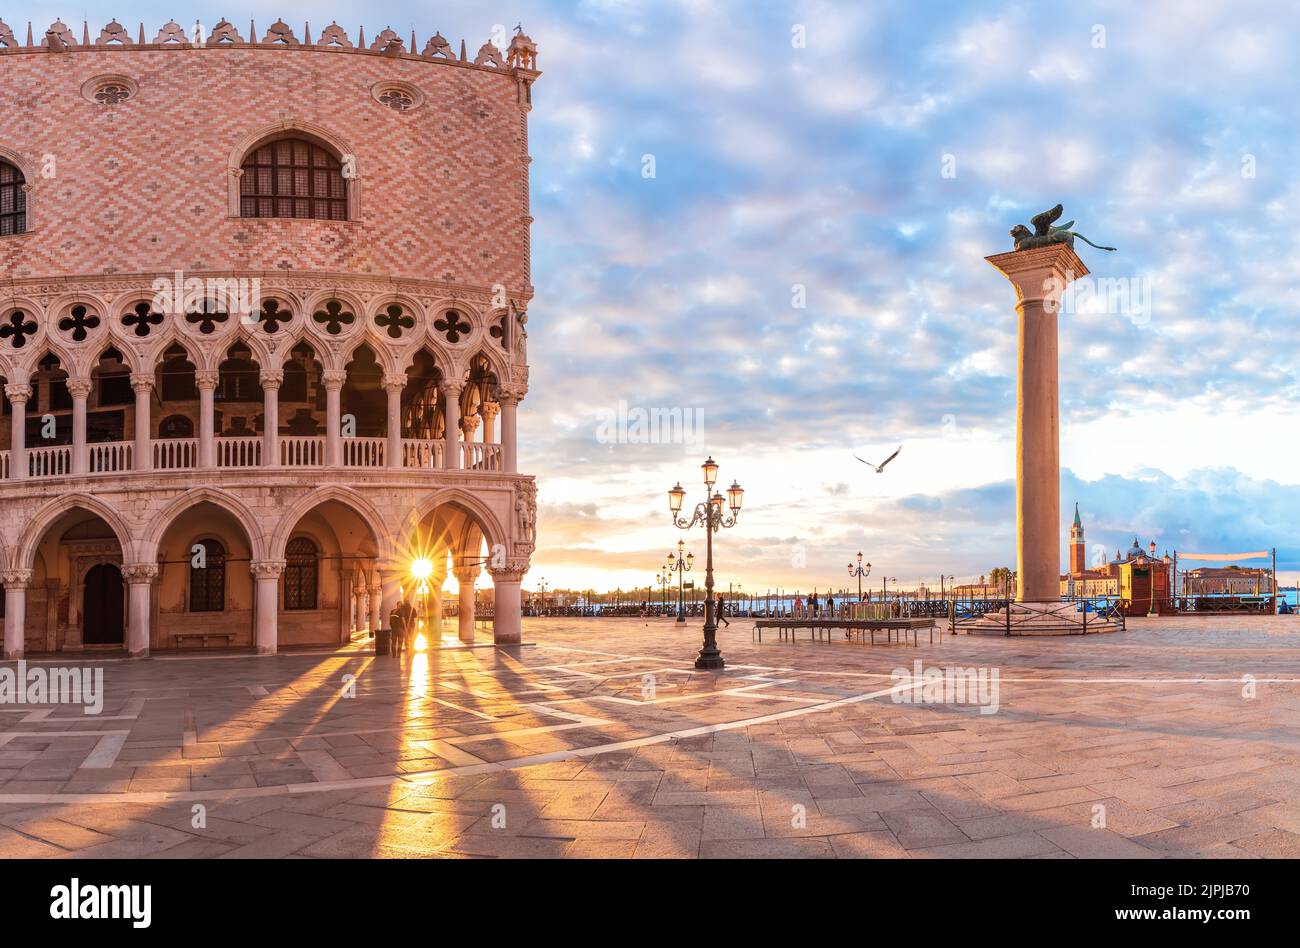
point(436, 589)
point(1039, 277)
point(79, 389)
point(18, 394)
point(390, 592)
point(334, 380)
point(374, 600)
point(266, 578)
point(357, 591)
point(507, 622)
point(451, 431)
point(143, 387)
point(466, 576)
point(271, 382)
point(488, 411)
point(508, 399)
point(207, 381)
point(139, 579)
point(15, 581)
point(393, 385)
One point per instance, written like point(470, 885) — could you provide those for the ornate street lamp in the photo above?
point(860, 573)
point(709, 514)
point(663, 579)
point(681, 566)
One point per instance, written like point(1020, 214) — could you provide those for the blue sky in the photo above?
point(872, 154)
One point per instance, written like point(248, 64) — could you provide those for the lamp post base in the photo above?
point(709, 659)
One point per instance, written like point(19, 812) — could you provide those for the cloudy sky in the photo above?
point(766, 223)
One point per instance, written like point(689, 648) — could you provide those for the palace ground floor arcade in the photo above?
point(265, 563)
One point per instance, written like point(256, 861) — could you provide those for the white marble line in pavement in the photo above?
point(103, 754)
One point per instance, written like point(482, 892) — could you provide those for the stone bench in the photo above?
point(203, 636)
point(819, 627)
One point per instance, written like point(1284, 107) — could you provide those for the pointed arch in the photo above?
point(348, 497)
point(494, 531)
point(205, 495)
point(24, 553)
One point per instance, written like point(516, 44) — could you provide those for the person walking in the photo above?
point(397, 630)
point(722, 612)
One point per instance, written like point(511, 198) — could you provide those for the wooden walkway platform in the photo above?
point(865, 629)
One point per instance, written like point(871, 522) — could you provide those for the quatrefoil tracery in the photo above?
point(18, 328)
point(453, 325)
point(395, 319)
point(142, 319)
point(272, 316)
point(79, 322)
point(333, 317)
point(206, 316)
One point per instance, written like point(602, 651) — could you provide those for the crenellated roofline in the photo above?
point(518, 61)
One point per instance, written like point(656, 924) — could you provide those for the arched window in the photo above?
point(207, 577)
point(13, 200)
point(300, 574)
point(176, 426)
point(293, 178)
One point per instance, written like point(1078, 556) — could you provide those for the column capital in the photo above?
point(395, 380)
point(1041, 274)
point(510, 394)
point(271, 378)
point(451, 389)
point(18, 392)
point(137, 573)
point(468, 425)
point(512, 572)
point(141, 382)
point(489, 411)
point(334, 379)
point(207, 380)
point(266, 569)
point(468, 574)
point(16, 578)
point(80, 387)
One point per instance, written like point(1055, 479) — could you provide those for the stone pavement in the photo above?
point(602, 741)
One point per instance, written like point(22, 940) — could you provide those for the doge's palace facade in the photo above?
point(262, 333)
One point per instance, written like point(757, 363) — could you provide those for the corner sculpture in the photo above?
point(1045, 234)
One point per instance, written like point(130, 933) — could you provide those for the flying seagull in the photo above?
point(880, 468)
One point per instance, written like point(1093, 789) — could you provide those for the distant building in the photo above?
point(1228, 581)
point(1139, 577)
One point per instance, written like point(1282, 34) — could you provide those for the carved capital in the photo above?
point(207, 380)
point(394, 380)
point(489, 411)
point(512, 572)
point(16, 578)
point(266, 569)
point(80, 388)
point(334, 379)
point(141, 382)
point(18, 392)
point(468, 425)
point(136, 573)
point(272, 378)
point(468, 575)
point(510, 393)
point(451, 389)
